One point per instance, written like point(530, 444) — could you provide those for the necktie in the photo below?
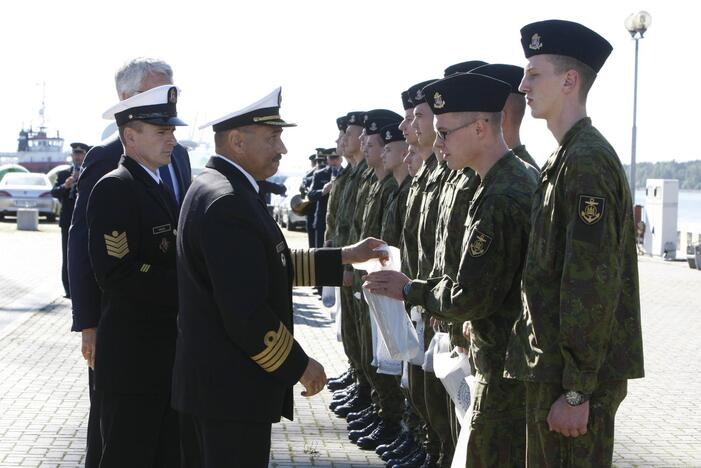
point(168, 198)
point(164, 172)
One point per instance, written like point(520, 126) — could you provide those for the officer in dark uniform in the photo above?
point(65, 190)
point(85, 293)
point(132, 218)
point(319, 192)
point(237, 358)
point(304, 189)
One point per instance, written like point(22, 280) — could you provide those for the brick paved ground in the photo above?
point(43, 397)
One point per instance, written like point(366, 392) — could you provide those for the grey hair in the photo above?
point(130, 76)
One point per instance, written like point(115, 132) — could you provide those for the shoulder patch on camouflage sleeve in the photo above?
point(479, 244)
point(117, 245)
point(591, 209)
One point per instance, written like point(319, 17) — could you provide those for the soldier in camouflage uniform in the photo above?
point(486, 289)
point(514, 109)
point(579, 338)
point(337, 186)
point(393, 155)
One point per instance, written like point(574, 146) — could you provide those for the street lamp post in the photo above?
point(636, 24)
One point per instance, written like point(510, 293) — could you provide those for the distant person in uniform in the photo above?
point(579, 339)
point(319, 192)
point(237, 359)
point(132, 217)
point(134, 77)
point(65, 190)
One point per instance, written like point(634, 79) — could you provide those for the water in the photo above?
point(689, 214)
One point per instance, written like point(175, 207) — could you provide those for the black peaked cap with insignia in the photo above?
point(355, 118)
point(511, 74)
point(566, 38)
point(378, 118)
point(320, 154)
point(331, 153)
point(156, 106)
point(391, 133)
point(342, 123)
point(265, 111)
point(407, 103)
point(312, 157)
point(467, 92)
point(463, 67)
point(80, 147)
point(416, 93)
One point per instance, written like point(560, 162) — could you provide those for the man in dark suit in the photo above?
point(236, 356)
point(304, 189)
point(319, 193)
point(134, 77)
point(132, 217)
point(65, 191)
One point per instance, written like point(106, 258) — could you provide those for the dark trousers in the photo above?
point(319, 233)
point(311, 235)
point(64, 263)
point(216, 443)
point(139, 431)
point(93, 449)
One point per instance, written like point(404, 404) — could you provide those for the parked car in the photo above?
point(282, 211)
point(27, 190)
point(8, 168)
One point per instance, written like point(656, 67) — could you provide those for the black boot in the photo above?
point(414, 460)
point(357, 434)
point(357, 415)
point(354, 405)
point(401, 450)
point(341, 382)
point(431, 461)
point(381, 449)
point(385, 433)
point(369, 416)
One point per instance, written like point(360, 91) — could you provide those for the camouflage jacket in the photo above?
point(487, 288)
point(365, 182)
point(332, 209)
point(453, 204)
point(524, 155)
point(581, 307)
point(410, 232)
point(346, 204)
point(393, 220)
point(428, 218)
point(376, 205)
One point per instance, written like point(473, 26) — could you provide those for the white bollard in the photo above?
point(27, 219)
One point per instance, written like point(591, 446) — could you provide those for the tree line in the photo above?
point(688, 173)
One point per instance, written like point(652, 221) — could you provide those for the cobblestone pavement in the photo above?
point(43, 394)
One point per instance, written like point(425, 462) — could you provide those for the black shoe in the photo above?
point(431, 461)
point(353, 406)
point(385, 433)
point(342, 400)
point(413, 459)
point(343, 381)
point(401, 450)
point(344, 392)
point(359, 414)
point(357, 434)
point(384, 448)
point(362, 422)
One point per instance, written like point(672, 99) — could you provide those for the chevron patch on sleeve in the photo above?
point(117, 245)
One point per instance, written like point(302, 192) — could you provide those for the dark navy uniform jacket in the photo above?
point(85, 294)
point(320, 202)
point(131, 242)
point(66, 196)
point(236, 357)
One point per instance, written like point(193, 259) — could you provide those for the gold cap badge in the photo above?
point(438, 101)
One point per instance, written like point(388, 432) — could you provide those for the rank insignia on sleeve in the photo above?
point(116, 244)
point(591, 209)
point(480, 244)
point(164, 245)
point(278, 345)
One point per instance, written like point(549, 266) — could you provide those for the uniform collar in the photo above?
point(248, 176)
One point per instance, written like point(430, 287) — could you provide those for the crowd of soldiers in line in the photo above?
point(531, 272)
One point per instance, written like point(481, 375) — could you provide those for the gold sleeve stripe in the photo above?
point(283, 357)
point(272, 342)
point(273, 351)
point(312, 267)
point(145, 268)
point(298, 268)
point(304, 267)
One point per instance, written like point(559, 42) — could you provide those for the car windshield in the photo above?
point(18, 178)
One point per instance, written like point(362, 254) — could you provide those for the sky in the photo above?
point(331, 57)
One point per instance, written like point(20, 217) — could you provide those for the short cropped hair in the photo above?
point(587, 75)
point(130, 76)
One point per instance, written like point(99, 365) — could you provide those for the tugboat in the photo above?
point(37, 151)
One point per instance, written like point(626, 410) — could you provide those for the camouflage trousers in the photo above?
point(349, 335)
point(498, 425)
point(595, 448)
point(386, 393)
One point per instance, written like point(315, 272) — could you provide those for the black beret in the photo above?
point(566, 38)
point(342, 122)
point(407, 103)
point(391, 133)
point(416, 93)
point(355, 118)
point(511, 74)
point(378, 118)
point(463, 67)
point(467, 92)
point(80, 147)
